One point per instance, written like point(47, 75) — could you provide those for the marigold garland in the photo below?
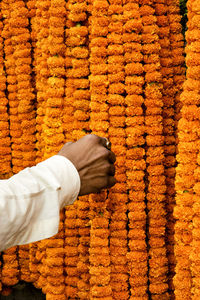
point(41, 28)
point(53, 264)
point(116, 133)
point(71, 252)
point(77, 71)
point(41, 52)
point(53, 140)
point(10, 267)
point(76, 120)
point(168, 91)
point(25, 109)
point(186, 209)
point(137, 254)
point(15, 129)
point(5, 148)
point(172, 116)
point(99, 257)
point(155, 186)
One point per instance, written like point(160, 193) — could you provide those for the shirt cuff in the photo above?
point(67, 177)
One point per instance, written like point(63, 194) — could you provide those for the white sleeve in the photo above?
point(30, 201)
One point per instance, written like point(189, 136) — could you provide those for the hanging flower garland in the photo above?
point(137, 254)
point(186, 236)
point(168, 91)
point(192, 61)
point(177, 53)
point(73, 122)
point(5, 155)
point(53, 140)
point(41, 29)
point(40, 256)
point(79, 95)
point(173, 88)
point(79, 71)
point(10, 270)
point(33, 262)
point(117, 198)
point(22, 55)
point(52, 127)
point(71, 252)
point(99, 235)
point(53, 264)
point(15, 128)
point(25, 96)
point(31, 6)
point(83, 247)
point(156, 188)
point(70, 86)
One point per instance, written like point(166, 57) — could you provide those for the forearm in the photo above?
point(31, 200)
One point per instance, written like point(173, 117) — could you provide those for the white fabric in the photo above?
point(30, 201)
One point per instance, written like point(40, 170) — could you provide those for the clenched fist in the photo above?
point(93, 161)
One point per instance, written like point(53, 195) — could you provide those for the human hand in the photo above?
point(93, 161)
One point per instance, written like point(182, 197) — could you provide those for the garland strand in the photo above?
point(31, 6)
point(137, 255)
point(117, 136)
point(77, 36)
point(168, 91)
point(5, 150)
point(186, 184)
point(53, 263)
point(177, 55)
point(99, 257)
point(53, 140)
point(41, 29)
point(71, 252)
point(10, 267)
point(192, 61)
point(156, 188)
point(15, 127)
point(75, 58)
point(42, 71)
point(25, 96)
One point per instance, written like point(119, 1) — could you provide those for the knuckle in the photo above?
point(112, 181)
point(93, 138)
point(112, 169)
point(103, 152)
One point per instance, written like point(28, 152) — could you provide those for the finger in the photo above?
point(68, 143)
point(112, 157)
point(111, 181)
point(111, 170)
point(106, 143)
point(103, 141)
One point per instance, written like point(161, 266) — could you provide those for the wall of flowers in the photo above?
point(116, 68)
